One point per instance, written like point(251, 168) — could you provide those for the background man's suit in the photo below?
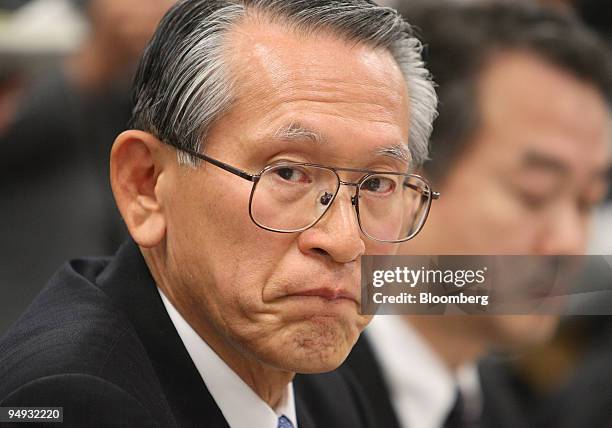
point(98, 342)
point(501, 405)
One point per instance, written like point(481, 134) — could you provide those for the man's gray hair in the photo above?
point(183, 84)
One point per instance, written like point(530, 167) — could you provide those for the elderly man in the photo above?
point(271, 148)
point(521, 155)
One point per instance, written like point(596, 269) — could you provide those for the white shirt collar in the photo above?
point(240, 405)
point(422, 388)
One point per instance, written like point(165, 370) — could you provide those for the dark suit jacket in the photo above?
point(363, 365)
point(504, 405)
point(585, 397)
point(99, 343)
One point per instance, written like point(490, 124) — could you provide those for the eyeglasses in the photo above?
point(289, 197)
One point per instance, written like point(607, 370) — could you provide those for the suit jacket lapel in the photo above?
point(128, 282)
point(304, 418)
point(365, 368)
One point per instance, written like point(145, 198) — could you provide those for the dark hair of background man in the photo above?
point(467, 41)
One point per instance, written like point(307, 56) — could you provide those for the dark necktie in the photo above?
point(284, 422)
point(455, 418)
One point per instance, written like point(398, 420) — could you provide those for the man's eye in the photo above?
point(587, 206)
point(591, 198)
point(292, 174)
point(533, 201)
point(379, 185)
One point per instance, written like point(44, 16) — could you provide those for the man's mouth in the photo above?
point(328, 294)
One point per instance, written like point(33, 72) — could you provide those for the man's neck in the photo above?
point(449, 338)
point(269, 383)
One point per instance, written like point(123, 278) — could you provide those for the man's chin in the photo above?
point(524, 331)
point(317, 346)
point(320, 361)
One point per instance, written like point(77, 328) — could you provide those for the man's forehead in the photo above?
point(530, 106)
point(521, 86)
point(271, 59)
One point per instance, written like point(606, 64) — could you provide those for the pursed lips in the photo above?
point(328, 293)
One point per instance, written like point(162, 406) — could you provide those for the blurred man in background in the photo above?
point(56, 200)
point(520, 152)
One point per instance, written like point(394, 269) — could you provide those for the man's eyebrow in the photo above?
point(295, 131)
point(538, 160)
point(548, 162)
point(399, 152)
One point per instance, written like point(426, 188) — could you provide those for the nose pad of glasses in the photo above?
point(326, 198)
point(354, 200)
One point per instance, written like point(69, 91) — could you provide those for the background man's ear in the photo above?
point(136, 166)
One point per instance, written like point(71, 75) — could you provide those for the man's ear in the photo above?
point(136, 166)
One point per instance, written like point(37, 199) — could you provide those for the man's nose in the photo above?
point(337, 235)
point(564, 234)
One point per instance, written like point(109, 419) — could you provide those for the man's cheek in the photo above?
point(374, 248)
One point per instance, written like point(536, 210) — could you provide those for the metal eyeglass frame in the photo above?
point(254, 178)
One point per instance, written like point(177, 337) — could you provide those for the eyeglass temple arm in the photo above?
point(222, 165)
point(425, 192)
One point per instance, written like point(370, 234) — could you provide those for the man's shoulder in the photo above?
point(71, 327)
point(87, 400)
point(75, 348)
